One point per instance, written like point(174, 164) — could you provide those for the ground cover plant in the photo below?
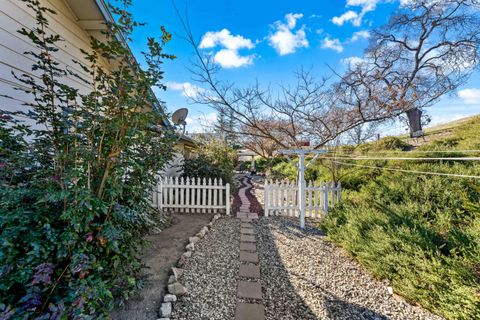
point(421, 232)
point(76, 170)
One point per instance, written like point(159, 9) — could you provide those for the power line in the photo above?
point(422, 151)
point(410, 171)
point(347, 157)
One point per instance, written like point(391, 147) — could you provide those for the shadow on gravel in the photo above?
point(341, 310)
point(281, 299)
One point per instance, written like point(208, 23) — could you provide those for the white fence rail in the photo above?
point(192, 195)
point(282, 198)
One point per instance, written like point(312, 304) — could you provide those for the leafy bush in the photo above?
point(214, 159)
point(75, 177)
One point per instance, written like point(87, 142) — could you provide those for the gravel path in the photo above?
point(306, 277)
point(211, 275)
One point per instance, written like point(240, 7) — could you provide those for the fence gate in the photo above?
point(283, 198)
point(192, 195)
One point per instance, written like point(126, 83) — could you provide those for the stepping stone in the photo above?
point(246, 219)
point(249, 271)
point(250, 311)
point(250, 290)
point(253, 215)
point(248, 256)
point(247, 238)
point(247, 225)
point(247, 231)
point(248, 246)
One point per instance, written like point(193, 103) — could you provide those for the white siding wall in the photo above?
point(14, 15)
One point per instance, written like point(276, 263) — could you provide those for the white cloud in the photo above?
point(232, 59)
point(470, 96)
point(188, 89)
point(367, 5)
point(201, 123)
point(285, 40)
point(363, 34)
point(228, 56)
point(354, 17)
point(333, 44)
point(292, 19)
point(225, 39)
point(351, 16)
point(352, 61)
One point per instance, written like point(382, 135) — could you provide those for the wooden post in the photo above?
point(215, 192)
point(182, 194)
point(266, 198)
point(325, 197)
point(301, 189)
point(160, 195)
point(227, 203)
point(177, 191)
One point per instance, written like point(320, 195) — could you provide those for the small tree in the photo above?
point(362, 133)
point(76, 171)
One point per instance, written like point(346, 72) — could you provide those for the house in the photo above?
point(76, 21)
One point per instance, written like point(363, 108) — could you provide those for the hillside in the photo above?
point(456, 128)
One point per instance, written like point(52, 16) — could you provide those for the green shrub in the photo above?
point(422, 232)
point(215, 159)
point(75, 178)
point(387, 144)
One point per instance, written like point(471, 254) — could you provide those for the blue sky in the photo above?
point(269, 40)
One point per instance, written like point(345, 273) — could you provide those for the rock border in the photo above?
point(175, 288)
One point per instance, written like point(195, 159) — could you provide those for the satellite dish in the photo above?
point(179, 116)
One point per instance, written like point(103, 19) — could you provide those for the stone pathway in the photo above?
point(249, 290)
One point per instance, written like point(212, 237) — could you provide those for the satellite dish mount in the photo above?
point(179, 119)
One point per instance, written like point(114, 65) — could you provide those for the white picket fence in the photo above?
point(192, 195)
point(282, 198)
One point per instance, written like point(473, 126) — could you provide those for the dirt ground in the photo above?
point(162, 254)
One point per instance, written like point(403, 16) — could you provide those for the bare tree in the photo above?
point(362, 133)
point(428, 49)
point(425, 51)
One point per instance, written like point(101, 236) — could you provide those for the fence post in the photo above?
point(325, 197)
point(227, 203)
point(301, 190)
point(265, 198)
point(160, 195)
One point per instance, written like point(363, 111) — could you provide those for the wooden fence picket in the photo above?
point(281, 197)
point(191, 195)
